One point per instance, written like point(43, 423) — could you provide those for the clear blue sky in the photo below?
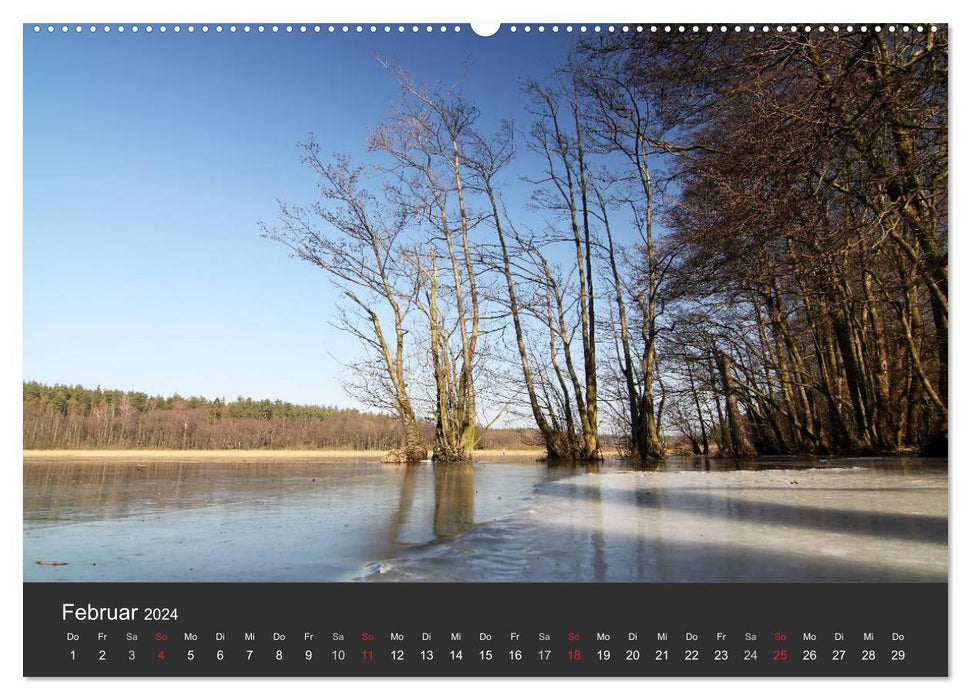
point(149, 159)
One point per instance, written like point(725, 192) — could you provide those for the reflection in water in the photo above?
point(598, 561)
point(250, 521)
point(845, 524)
point(454, 498)
point(307, 521)
point(406, 497)
point(454, 507)
point(659, 465)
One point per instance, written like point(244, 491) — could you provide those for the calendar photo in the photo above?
point(618, 303)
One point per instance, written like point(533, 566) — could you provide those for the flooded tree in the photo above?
point(632, 144)
point(486, 159)
point(426, 137)
point(559, 136)
point(739, 240)
point(811, 229)
point(354, 236)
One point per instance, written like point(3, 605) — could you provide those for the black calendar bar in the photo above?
point(336, 629)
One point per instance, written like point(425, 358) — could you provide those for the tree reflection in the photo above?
point(454, 499)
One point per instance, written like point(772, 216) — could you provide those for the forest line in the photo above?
point(744, 246)
point(72, 417)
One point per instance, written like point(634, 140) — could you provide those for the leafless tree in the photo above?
point(354, 236)
point(426, 137)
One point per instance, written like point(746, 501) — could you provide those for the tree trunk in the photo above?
point(741, 445)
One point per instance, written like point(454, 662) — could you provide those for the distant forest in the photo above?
point(73, 417)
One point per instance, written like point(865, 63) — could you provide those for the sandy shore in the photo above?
point(224, 456)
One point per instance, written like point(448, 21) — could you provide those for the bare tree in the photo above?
point(425, 136)
point(358, 249)
point(741, 241)
point(810, 230)
point(559, 135)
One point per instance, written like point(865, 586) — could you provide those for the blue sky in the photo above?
point(149, 160)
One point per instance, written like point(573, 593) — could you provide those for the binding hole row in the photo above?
point(443, 29)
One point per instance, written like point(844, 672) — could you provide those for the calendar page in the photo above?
point(524, 349)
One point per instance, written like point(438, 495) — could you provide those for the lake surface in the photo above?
point(689, 520)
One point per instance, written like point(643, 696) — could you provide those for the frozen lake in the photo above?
point(789, 520)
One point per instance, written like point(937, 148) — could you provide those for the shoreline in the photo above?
point(246, 455)
point(329, 455)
